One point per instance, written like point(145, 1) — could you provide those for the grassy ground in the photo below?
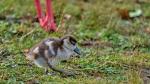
point(114, 51)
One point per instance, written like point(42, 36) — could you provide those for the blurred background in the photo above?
point(113, 35)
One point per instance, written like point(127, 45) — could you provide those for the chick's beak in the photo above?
point(77, 50)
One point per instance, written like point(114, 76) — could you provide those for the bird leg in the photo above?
point(61, 71)
point(46, 71)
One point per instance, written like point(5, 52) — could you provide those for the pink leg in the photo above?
point(39, 12)
point(49, 10)
point(47, 22)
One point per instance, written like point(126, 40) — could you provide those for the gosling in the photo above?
point(49, 52)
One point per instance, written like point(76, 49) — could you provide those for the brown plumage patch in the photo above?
point(36, 56)
point(57, 45)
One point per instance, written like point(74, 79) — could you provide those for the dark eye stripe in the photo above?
point(73, 43)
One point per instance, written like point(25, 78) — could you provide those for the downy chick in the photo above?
point(49, 52)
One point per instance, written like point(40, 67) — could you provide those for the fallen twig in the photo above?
point(27, 34)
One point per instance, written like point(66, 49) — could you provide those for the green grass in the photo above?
point(119, 53)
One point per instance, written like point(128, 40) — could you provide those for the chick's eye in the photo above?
point(73, 43)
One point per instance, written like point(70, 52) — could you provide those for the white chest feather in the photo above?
point(63, 54)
